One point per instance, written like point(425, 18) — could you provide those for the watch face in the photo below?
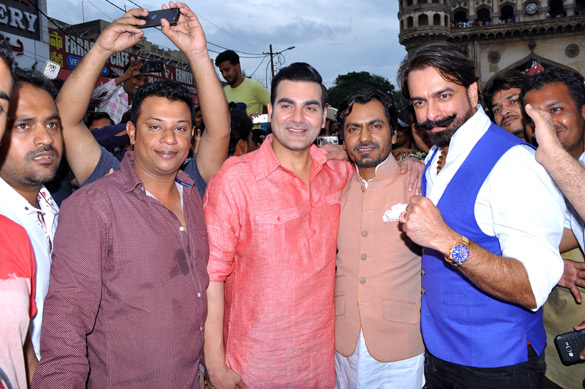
point(531, 8)
point(460, 253)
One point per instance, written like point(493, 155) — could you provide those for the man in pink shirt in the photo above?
point(272, 217)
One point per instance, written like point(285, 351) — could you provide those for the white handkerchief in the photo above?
point(393, 214)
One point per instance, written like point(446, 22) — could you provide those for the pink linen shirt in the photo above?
point(273, 240)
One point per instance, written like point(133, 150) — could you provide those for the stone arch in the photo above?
point(409, 22)
point(436, 19)
point(580, 7)
point(460, 17)
point(507, 13)
point(484, 16)
point(556, 8)
point(423, 20)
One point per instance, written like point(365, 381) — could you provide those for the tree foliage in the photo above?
point(352, 81)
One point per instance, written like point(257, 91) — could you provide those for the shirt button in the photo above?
point(362, 280)
point(181, 229)
point(200, 328)
point(198, 294)
point(363, 257)
point(364, 233)
point(423, 272)
point(363, 188)
point(422, 291)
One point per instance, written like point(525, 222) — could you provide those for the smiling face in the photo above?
point(440, 106)
point(367, 137)
point(297, 115)
point(33, 145)
point(132, 84)
point(161, 137)
point(507, 110)
point(569, 120)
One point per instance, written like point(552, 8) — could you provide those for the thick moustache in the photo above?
point(430, 124)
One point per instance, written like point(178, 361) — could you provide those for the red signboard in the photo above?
point(67, 51)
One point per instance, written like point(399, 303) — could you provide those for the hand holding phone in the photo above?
point(569, 346)
point(154, 17)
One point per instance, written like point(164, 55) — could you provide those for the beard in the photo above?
point(451, 125)
point(368, 161)
point(35, 178)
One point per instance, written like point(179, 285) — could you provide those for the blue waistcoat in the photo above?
point(460, 323)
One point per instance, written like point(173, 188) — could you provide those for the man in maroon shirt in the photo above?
point(129, 267)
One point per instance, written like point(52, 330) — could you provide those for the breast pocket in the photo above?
point(277, 228)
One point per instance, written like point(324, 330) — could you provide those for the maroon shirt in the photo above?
point(128, 276)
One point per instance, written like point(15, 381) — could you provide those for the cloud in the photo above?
point(336, 37)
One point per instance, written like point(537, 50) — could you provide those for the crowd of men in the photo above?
point(289, 265)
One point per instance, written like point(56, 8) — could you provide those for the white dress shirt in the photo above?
point(518, 203)
point(41, 231)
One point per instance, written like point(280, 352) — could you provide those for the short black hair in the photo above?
point(170, 90)
point(7, 56)
point(552, 74)
point(505, 80)
point(448, 59)
point(298, 71)
point(364, 96)
point(93, 116)
point(228, 55)
point(36, 79)
point(241, 125)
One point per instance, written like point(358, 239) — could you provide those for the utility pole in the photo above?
point(271, 61)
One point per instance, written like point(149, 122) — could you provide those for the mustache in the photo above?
point(365, 144)
point(42, 149)
point(430, 124)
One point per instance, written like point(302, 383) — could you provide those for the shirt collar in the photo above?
point(129, 180)
point(266, 162)
point(385, 169)
point(11, 196)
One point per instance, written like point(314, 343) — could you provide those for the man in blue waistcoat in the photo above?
point(491, 222)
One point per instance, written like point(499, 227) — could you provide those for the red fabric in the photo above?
point(17, 259)
point(275, 241)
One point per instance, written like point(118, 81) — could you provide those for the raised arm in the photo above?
point(566, 171)
point(189, 37)
point(82, 150)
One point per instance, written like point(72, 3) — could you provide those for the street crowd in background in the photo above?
point(149, 242)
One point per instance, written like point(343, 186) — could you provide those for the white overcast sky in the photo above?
point(336, 37)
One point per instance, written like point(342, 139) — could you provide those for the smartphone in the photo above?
point(155, 66)
point(569, 346)
point(51, 69)
point(260, 119)
point(331, 139)
point(154, 17)
point(331, 113)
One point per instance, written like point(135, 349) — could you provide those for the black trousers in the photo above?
point(440, 374)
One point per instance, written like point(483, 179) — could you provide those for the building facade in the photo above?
point(500, 34)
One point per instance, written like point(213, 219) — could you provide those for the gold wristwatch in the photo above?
point(459, 252)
